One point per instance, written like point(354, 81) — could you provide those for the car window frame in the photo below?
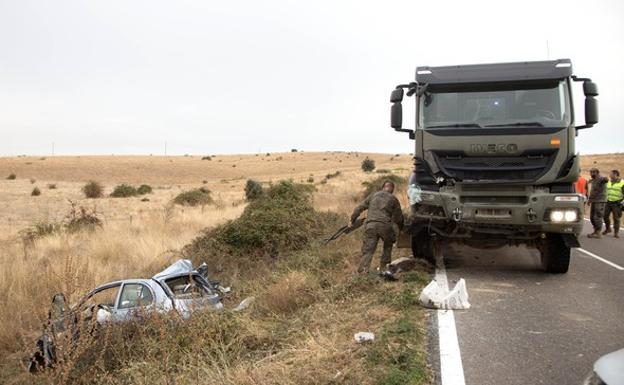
point(123, 285)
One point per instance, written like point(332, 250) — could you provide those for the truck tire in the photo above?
point(555, 254)
point(422, 247)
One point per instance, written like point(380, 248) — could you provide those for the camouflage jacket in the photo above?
point(382, 207)
point(598, 189)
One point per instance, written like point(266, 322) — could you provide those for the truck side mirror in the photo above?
point(396, 96)
point(396, 115)
point(591, 111)
point(590, 89)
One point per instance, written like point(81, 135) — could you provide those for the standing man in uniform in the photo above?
point(615, 195)
point(597, 201)
point(384, 209)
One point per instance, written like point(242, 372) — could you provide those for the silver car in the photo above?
point(179, 288)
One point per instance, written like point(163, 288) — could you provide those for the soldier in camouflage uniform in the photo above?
point(597, 201)
point(384, 209)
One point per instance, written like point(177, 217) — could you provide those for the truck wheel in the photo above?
point(555, 254)
point(422, 247)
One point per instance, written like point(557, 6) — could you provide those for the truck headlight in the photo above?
point(563, 215)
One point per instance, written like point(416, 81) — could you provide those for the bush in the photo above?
point(253, 190)
point(293, 150)
point(32, 180)
point(52, 186)
point(144, 189)
point(207, 157)
point(333, 175)
point(383, 171)
point(377, 183)
point(12, 176)
point(196, 197)
point(36, 192)
point(123, 191)
point(80, 218)
point(368, 165)
point(310, 179)
point(93, 190)
point(281, 220)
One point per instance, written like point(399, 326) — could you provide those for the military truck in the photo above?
point(495, 158)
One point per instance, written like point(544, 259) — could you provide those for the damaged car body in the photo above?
point(179, 288)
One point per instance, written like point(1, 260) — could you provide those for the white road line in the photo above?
point(451, 368)
point(614, 265)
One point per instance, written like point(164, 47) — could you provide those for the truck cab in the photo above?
point(495, 158)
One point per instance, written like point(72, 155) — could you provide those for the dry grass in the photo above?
point(300, 330)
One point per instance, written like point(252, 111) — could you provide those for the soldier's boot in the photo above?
point(606, 231)
point(616, 230)
point(595, 234)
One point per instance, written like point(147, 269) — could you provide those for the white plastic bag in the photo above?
point(363, 337)
point(433, 296)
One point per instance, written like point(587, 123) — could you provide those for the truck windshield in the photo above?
point(530, 104)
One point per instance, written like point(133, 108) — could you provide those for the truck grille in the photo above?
point(526, 167)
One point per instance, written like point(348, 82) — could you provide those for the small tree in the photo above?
point(93, 189)
point(11, 176)
point(368, 165)
point(253, 190)
point(36, 192)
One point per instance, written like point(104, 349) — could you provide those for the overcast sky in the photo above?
point(207, 77)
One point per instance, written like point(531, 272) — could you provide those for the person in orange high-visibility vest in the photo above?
point(581, 186)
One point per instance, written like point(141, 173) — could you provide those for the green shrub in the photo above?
point(123, 191)
point(310, 179)
point(144, 189)
point(293, 150)
point(253, 190)
point(207, 157)
point(36, 192)
point(377, 183)
point(383, 171)
point(32, 180)
point(52, 186)
point(196, 197)
point(12, 176)
point(93, 189)
point(281, 220)
point(368, 165)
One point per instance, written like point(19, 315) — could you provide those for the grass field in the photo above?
point(310, 304)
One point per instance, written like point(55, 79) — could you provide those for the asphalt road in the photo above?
point(528, 327)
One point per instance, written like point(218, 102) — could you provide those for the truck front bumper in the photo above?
point(527, 216)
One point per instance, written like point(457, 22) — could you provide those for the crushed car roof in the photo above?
point(181, 266)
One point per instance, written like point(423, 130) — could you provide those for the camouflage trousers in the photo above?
point(372, 233)
point(596, 214)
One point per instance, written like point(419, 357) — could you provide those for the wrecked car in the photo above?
point(179, 288)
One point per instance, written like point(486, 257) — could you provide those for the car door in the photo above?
point(136, 299)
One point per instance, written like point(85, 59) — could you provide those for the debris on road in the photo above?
point(434, 297)
point(402, 264)
point(364, 337)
